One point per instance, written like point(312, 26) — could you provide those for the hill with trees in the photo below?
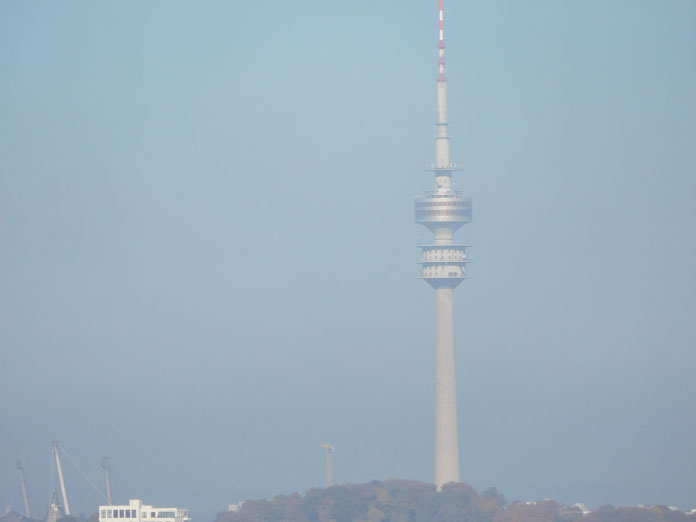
point(410, 501)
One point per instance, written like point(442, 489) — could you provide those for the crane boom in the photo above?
point(20, 467)
point(63, 490)
point(107, 478)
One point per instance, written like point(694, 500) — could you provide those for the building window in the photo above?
point(121, 513)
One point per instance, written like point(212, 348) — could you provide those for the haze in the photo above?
point(208, 247)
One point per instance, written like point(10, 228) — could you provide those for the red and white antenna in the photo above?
point(443, 166)
point(442, 47)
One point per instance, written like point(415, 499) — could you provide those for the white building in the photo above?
point(235, 507)
point(136, 511)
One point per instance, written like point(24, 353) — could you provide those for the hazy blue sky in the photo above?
point(207, 259)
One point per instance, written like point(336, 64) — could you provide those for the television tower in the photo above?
point(444, 262)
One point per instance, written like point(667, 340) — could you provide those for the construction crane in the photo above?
point(66, 503)
point(107, 472)
point(329, 463)
point(53, 508)
point(20, 467)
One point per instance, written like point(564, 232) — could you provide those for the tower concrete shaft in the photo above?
point(443, 211)
point(446, 434)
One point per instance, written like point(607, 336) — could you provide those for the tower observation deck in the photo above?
point(443, 265)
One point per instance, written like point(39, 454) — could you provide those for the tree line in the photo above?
point(410, 501)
